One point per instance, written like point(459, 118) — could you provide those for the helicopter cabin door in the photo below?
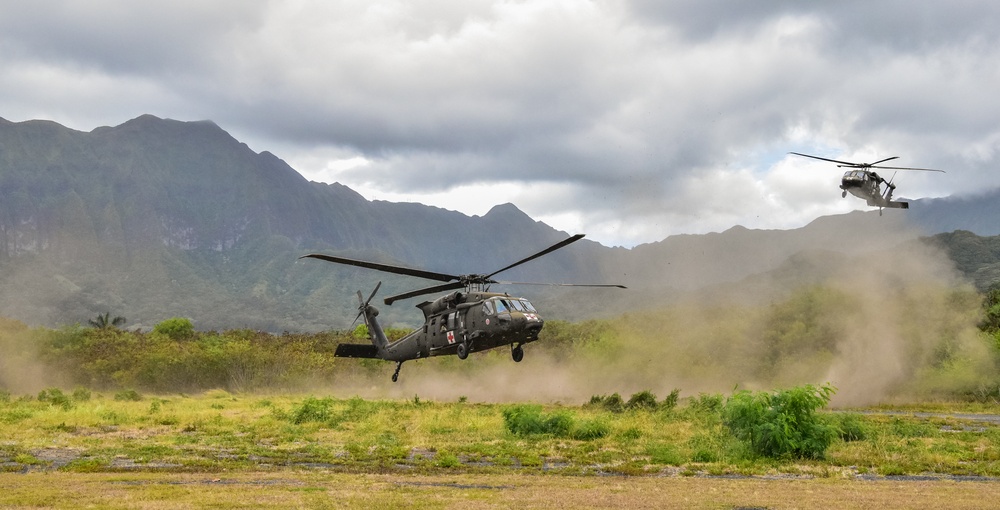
point(456, 323)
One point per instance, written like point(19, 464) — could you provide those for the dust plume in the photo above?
point(21, 370)
point(890, 324)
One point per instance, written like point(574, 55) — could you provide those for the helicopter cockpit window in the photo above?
point(488, 307)
point(516, 304)
point(527, 306)
point(501, 306)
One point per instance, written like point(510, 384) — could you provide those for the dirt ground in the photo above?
point(318, 489)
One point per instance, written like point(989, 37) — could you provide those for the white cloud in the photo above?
point(629, 121)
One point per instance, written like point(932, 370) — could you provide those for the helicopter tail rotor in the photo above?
point(363, 304)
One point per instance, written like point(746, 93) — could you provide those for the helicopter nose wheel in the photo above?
point(517, 353)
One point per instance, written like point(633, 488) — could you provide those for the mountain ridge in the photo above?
point(157, 218)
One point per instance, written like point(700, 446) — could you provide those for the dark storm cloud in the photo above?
point(641, 118)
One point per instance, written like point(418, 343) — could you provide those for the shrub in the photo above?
point(526, 420)
point(81, 394)
point(590, 430)
point(612, 403)
point(313, 409)
point(642, 400)
point(783, 423)
point(671, 401)
point(128, 395)
point(707, 402)
point(56, 397)
point(851, 426)
point(177, 328)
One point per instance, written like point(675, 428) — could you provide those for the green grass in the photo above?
point(218, 431)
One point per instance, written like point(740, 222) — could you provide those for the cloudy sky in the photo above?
point(626, 120)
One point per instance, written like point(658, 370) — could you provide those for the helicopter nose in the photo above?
point(528, 321)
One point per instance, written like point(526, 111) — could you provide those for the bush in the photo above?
point(783, 423)
point(612, 403)
point(642, 400)
point(128, 395)
point(590, 430)
point(526, 420)
point(851, 426)
point(81, 394)
point(177, 328)
point(671, 401)
point(313, 409)
point(56, 397)
point(707, 402)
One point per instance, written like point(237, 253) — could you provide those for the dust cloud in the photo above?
point(892, 324)
point(21, 370)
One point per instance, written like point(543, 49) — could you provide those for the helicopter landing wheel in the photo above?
point(517, 353)
point(463, 350)
point(843, 194)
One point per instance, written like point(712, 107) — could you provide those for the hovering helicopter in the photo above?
point(457, 323)
point(864, 183)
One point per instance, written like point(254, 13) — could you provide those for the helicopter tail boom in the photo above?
point(356, 351)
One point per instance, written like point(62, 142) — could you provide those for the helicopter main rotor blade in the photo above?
point(419, 273)
point(881, 161)
point(420, 292)
point(908, 168)
point(830, 160)
point(550, 249)
point(615, 285)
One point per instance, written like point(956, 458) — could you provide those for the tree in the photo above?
point(104, 321)
point(991, 310)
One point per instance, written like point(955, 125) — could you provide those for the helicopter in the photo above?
point(469, 320)
point(861, 181)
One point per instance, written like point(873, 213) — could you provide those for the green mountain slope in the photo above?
point(158, 218)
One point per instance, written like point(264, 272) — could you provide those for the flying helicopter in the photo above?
point(861, 181)
point(468, 320)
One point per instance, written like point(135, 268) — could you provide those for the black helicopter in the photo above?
point(861, 181)
point(464, 321)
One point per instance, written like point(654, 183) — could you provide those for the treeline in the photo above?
point(927, 341)
point(170, 358)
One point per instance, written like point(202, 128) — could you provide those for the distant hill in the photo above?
point(158, 218)
point(979, 213)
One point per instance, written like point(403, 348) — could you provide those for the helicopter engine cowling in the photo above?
point(442, 303)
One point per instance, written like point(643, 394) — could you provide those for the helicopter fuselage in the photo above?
point(455, 324)
point(867, 185)
point(480, 320)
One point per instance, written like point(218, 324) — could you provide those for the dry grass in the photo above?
point(323, 489)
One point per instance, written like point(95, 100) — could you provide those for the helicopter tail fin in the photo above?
point(377, 336)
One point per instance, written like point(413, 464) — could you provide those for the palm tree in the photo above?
point(104, 321)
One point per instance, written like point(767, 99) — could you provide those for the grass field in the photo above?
point(128, 450)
